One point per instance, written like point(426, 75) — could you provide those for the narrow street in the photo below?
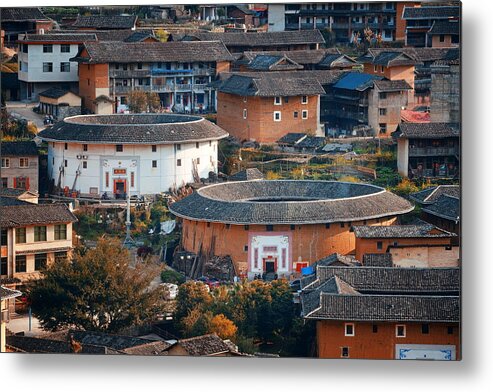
point(22, 110)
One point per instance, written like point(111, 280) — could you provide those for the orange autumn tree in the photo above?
point(223, 327)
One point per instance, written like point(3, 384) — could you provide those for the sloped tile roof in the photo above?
point(58, 36)
point(21, 14)
point(401, 231)
point(392, 85)
point(55, 93)
point(6, 293)
point(311, 142)
point(106, 22)
point(431, 12)
point(273, 63)
point(247, 175)
point(303, 57)
point(446, 207)
point(431, 195)
point(31, 344)
point(116, 342)
point(425, 130)
point(204, 345)
point(18, 148)
point(445, 27)
point(418, 54)
point(377, 260)
point(356, 81)
point(291, 139)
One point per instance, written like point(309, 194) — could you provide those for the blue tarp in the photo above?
point(307, 270)
point(355, 80)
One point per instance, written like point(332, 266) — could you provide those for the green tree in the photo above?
point(97, 290)
point(191, 295)
point(137, 101)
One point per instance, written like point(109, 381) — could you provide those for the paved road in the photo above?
point(25, 111)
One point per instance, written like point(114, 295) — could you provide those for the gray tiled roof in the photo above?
point(133, 129)
point(377, 260)
point(273, 63)
point(116, 342)
point(401, 231)
point(391, 58)
point(59, 36)
point(392, 85)
point(445, 27)
point(446, 207)
point(138, 52)
point(290, 201)
point(303, 57)
point(106, 21)
point(430, 195)
point(419, 54)
point(281, 38)
point(31, 344)
point(18, 148)
point(311, 142)
point(21, 14)
point(426, 130)
point(6, 293)
point(247, 175)
point(16, 213)
point(204, 345)
point(54, 92)
point(387, 308)
point(291, 139)
point(431, 12)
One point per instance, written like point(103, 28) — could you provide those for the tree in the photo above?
point(191, 295)
point(96, 291)
point(153, 102)
point(137, 101)
point(162, 35)
point(223, 327)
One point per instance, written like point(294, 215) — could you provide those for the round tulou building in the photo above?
point(281, 226)
point(130, 154)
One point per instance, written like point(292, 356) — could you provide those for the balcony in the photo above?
point(433, 151)
point(129, 74)
point(160, 88)
point(184, 72)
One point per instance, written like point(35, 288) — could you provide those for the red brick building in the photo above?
point(384, 313)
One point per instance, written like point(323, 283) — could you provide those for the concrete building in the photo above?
point(444, 34)
point(384, 312)
point(130, 154)
point(278, 227)
point(445, 99)
point(44, 62)
point(20, 166)
point(428, 150)
point(179, 72)
point(59, 103)
point(6, 296)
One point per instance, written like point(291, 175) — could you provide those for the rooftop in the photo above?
point(55, 92)
point(58, 36)
point(273, 63)
point(446, 207)
point(425, 131)
point(291, 139)
point(289, 202)
point(377, 260)
point(20, 148)
point(22, 14)
point(204, 345)
point(106, 21)
point(431, 12)
point(247, 175)
point(138, 52)
point(356, 81)
point(391, 85)
point(387, 58)
point(432, 194)
point(401, 231)
point(445, 27)
point(133, 129)
point(6, 293)
point(299, 56)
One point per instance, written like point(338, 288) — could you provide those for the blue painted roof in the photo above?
point(356, 81)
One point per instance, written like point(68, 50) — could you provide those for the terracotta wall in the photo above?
point(369, 245)
point(223, 66)
point(447, 43)
point(426, 256)
point(259, 123)
point(93, 81)
point(381, 345)
point(309, 242)
point(400, 26)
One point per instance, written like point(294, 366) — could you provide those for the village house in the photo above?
point(6, 296)
point(261, 41)
point(363, 104)
point(445, 99)
point(105, 22)
point(20, 165)
point(118, 155)
point(420, 22)
point(44, 62)
point(23, 20)
point(59, 103)
point(343, 19)
point(264, 106)
point(384, 313)
point(428, 150)
point(422, 245)
point(20, 194)
point(444, 34)
point(277, 227)
point(179, 72)
point(209, 345)
point(33, 236)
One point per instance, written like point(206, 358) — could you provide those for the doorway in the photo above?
point(119, 188)
point(270, 265)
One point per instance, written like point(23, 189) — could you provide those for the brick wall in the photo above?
point(93, 81)
point(259, 123)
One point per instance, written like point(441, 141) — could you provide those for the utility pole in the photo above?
point(129, 241)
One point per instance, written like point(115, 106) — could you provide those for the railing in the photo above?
point(121, 74)
point(433, 151)
point(169, 87)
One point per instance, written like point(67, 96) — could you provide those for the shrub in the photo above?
point(171, 276)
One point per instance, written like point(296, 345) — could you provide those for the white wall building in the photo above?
point(44, 62)
point(130, 154)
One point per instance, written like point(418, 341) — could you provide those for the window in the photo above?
point(65, 67)
point(40, 261)
point(21, 182)
point(382, 111)
point(245, 248)
point(25, 48)
point(5, 182)
point(20, 235)
point(342, 224)
point(244, 99)
point(246, 227)
point(23, 162)
point(277, 101)
point(344, 352)
point(269, 228)
point(139, 65)
point(381, 69)
point(61, 232)
point(286, 99)
point(123, 100)
point(277, 116)
point(228, 225)
point(295, 114)
point(400, 331)
point(132, 179)
point(349, 329)
point(84, 165)
point(60, 256)
point(197, 161)
point(47, 48)
point(197, 145)
point(65, 162)
point(304, 114)
point(84, 147)
point(379, 245)
point(3, 238)
point(375, 68)
point(5, 163)
point(154, 163)
point(20, 264)
point(66, 146)
point(425, 329)
point(47, 67)
point(119, 148)
point(450, 330)
point(39, 233)
point(383, 128)
point(3, 266)
point(64, 48)
point(304, 99)
point(245, 113)
point(154, 148)
point(178, 147)
point(375, 328)
point(442, 38)
point(178, 162)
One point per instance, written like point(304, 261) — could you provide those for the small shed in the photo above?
point(59, 103)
